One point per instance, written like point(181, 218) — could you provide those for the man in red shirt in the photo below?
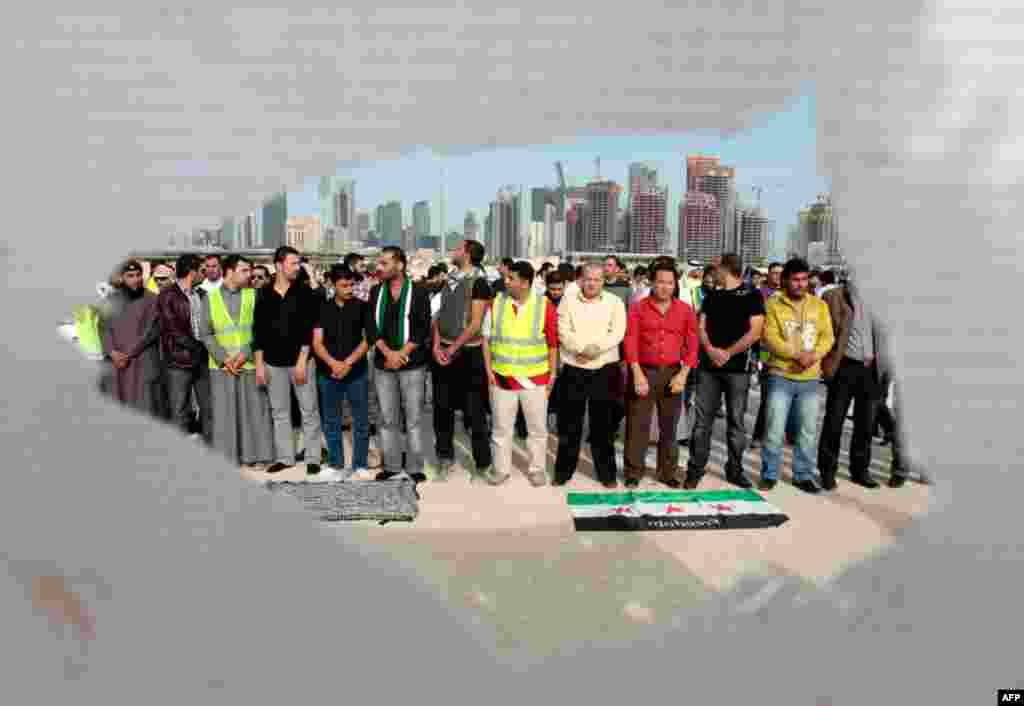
point(661, 349)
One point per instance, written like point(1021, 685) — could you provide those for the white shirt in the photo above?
point(208, 286)
point(435, 305)
point(600, 322)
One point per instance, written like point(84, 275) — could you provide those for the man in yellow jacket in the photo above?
point(798, 334)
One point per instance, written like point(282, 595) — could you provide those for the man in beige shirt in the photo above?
point(591, 325)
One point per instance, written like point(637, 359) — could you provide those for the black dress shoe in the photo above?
point(312, 469)
point(277, 468)
point(632, 483)
point(386, 475)
point(766, 484)
point(740, 480)
point(610, 484)
point(864, 480)
point(691, 483)
point(672, 483)
point(828, 482)
point(418, 477)
point(808, 486)
point(897, 481)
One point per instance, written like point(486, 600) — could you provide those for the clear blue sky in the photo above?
point(778, 153)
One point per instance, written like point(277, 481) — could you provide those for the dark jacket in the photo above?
point(840, 307)
point(419, 324)
point(178, 346)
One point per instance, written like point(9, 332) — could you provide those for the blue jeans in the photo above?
point(355, 389)
point(783, 396)
point(402, 391)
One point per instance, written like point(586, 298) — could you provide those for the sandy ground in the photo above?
point(512, 554)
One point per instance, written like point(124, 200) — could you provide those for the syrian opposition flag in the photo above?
point(673, 510)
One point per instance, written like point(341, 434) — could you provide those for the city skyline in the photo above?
point(777, 154)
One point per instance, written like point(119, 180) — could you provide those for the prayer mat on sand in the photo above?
point(383, 501)
point(674, 510)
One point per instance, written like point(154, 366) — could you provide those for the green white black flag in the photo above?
point(714, 509)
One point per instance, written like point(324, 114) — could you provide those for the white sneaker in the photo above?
point(329, 474)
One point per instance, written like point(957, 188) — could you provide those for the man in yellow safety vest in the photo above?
point(520, 350)
point(242, 426)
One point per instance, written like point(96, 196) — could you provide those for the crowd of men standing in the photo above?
point(259, 353)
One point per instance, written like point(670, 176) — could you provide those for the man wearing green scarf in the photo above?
point(400, 333)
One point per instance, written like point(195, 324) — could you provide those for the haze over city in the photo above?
point(501, 197)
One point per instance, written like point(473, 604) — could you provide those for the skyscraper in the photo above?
point(721, 181)
point(647, 220)
point(696, 166)
point(817, 225)
point(505, 222)
point(642, 178)
point(421, 221)
point(391, 233)
point(362, 226)
point(602, 216)
point(576, 218)
point(274, 223)
point(248, 236)
point(229, 234)
point(754, 230)
point(540, 197)
point(337, 212)
point(550, 245)
point(489, 230)
point(701, 227)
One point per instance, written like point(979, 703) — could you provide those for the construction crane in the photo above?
point(562, 188)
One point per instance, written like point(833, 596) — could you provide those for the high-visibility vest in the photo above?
point(87, 329)
point(518, 345)
point(231, 335)
point(152, 286)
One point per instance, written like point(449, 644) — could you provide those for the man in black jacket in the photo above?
point(186, 358)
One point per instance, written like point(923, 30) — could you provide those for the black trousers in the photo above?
point(712, 385)
point(179, 384)
point(888, 420)
point(586, 392)
point(462, 385)
point(857, 383)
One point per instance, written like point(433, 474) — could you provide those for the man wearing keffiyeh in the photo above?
point(400, 335)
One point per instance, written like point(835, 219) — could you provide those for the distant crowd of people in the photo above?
point(244, 356)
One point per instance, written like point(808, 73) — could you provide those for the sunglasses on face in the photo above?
point(161, 279)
